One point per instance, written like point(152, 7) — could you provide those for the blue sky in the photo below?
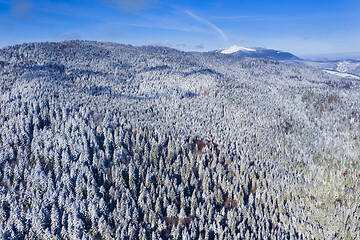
point(302, 27)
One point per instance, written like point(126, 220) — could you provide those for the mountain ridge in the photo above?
point(257, 52)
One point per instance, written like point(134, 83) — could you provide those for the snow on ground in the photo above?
point(345, 75)
point(235, 48)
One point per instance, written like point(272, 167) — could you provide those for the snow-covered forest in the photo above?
point(108, 141)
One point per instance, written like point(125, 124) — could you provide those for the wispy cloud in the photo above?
point(173, 44)
point(156, 25)
point(71, 35)
point(166, 43)
point(199, 46)
point(206, 22)
point(129, 5)
point(21, 7)
point(265, 18)
point(113, 33)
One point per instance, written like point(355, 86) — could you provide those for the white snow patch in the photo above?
point(235, 48)
point(340, 74)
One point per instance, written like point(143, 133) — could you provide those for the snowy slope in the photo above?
point(234, 49)
point(342, 74)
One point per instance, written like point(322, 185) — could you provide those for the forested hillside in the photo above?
point(107, 141)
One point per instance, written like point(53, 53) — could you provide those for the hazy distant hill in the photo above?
point(109, 141)
point(334, 56)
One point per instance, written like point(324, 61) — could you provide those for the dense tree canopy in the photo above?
point(108, 141)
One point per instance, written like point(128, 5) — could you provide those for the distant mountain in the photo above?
point(257, 52)
point(334, 64)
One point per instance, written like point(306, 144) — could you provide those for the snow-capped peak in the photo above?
point(235, 48)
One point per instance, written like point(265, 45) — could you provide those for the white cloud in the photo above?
point(206, 22)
